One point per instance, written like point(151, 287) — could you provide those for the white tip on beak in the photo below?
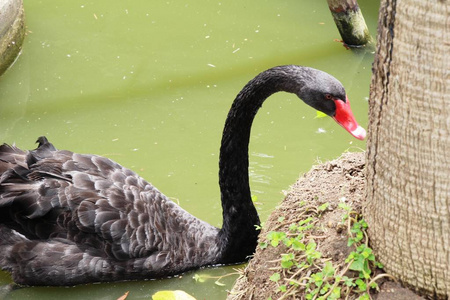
point(359, 133)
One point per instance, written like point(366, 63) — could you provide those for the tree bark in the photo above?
point(349, 21)
point(408, 162)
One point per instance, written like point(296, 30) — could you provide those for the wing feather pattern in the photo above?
point(69, 218)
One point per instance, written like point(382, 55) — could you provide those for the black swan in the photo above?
point(68, 218)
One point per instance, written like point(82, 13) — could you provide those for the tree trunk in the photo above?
point(350, 22)
point(408, 154)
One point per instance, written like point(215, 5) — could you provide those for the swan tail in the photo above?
point(19, 162)
point(11, 156)
point(24, 195)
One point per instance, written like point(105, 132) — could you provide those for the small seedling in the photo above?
point(319, 278)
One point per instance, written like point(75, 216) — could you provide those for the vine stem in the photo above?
point(337, 282)
point(381, 276)
point(298, 281)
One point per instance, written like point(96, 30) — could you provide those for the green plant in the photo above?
point(357, 232)
point(302, 268)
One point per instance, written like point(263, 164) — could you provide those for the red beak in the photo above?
point(345, 118)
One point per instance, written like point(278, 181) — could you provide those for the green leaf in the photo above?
point(303, 265)
point(335, 294)
point(312, 255)
point(307, 220)
point(311, 245)
point(345, 206)
point(320, 114)
point(348, 281)
point(317, 279)
point(328, 269)
point(350, 256)
point(199, 278)
point(293, 283)
point(286, 264)
point(359, 236)
point(364, 296)
point(287, 260)
point(324, 206)
point(275, 277)
point(275, 237)
point(357, 264)
point(297, 245)
point(293, 227)
point(351, 241)
point(324, 289)
point(364, 224)
point(172, 295)
point(361, 284)
point(367, 252)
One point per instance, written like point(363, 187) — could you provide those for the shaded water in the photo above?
point(149, 84)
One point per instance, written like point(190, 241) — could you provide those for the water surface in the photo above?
point(149, 84)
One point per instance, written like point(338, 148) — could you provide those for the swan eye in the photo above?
point(328, 97)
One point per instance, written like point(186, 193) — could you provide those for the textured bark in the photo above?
point(349, 21)
point(408, 186)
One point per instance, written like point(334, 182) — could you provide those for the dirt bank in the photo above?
point(319, 195)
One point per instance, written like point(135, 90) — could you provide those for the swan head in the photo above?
point(325, 93)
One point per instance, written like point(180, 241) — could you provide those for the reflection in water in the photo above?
point(259, 171)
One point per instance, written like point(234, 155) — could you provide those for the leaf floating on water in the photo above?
point(199, 278)
point(124, 296)
point(254, 198)
point(172, 295)
point(320, 114)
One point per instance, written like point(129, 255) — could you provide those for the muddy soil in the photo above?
point(333, 182)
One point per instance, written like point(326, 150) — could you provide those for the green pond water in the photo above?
point(149, 84)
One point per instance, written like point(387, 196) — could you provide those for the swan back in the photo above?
point(92, 218)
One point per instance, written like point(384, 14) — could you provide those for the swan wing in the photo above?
point(87, 199)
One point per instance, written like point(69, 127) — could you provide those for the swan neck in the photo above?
point(239, 214)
